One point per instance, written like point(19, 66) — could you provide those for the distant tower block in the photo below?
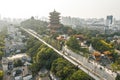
point(54, 20)
point(109, 20)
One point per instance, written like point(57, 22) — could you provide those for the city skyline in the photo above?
point(73, 8)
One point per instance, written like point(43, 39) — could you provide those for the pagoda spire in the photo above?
point(54, 10)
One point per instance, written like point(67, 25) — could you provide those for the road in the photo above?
point(92, 69)
point(94, 66)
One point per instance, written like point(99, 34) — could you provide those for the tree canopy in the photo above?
point(66, 71)
point(116, 65)
point(32, 46)
point(45, 57)
point(62, 68)
point(2, 43)
point(18, 63)
point(37, 25)
point(73, 43)
point(101, 45)
point(117, 77)
point(1, 75)
point(80, 75)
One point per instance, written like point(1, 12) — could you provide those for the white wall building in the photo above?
point(5, 63)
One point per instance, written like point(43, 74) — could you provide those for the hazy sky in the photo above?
point(74, 8)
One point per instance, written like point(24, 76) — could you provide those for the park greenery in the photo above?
point(37, 25)
point(80, 75)
point(2, 46)
point(73, 43)
point(62, 68)
point(116, 65)
point(45, 57)
point(101, 45)
point(2, 43)
point(41, 55)
point(66, 71)
point(1, 74)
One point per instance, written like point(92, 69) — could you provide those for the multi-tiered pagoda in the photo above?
point(54, 20)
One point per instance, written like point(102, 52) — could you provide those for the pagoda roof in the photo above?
point(54, 12)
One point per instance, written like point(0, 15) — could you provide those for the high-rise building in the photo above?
point(109, 20)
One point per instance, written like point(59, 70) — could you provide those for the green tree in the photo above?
point(34, 68)
point(117, 77)
point(73, 43)
point(116, 65)
point(18, 63)
point(37, 25)
point(32, 46)
point(2, 43)
point(101, 45)
point(45, 57)
point(67, 30)
point(1, 75)
point(80, 75)
point(1, 54)
point(62, 68)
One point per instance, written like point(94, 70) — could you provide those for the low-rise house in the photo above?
point(27, 77)
point(27, 64)
point(104, 60)
point(80, 37)
point(97, 55)
point(22, 56)
point(10, 65)
point(43, 72)
point(5, 63)
point(18, 78)
point(62, 37)
point(22, 73)
point(83, 45)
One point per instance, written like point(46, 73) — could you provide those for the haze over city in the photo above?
point(74, 8)
point(59, 39)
